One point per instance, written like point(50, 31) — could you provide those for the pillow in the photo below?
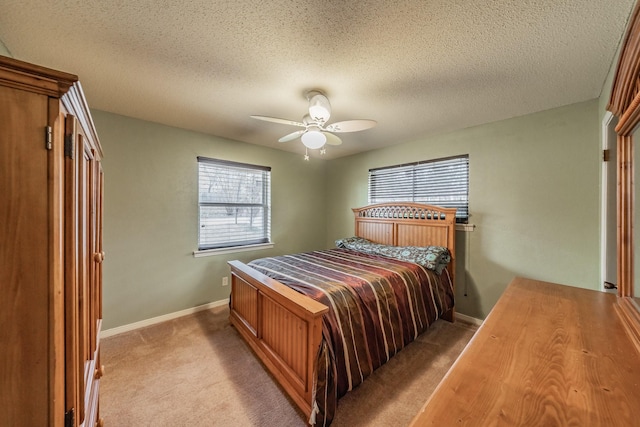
point(356, 244)
point(434, 258)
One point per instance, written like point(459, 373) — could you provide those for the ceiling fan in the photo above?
point(316, 132)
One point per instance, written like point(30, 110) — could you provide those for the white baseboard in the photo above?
point(158, 319)
point(148, 322)
point(468, 319)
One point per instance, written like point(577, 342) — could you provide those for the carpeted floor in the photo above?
point(197, 371)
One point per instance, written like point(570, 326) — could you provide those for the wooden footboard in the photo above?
point(282, 326)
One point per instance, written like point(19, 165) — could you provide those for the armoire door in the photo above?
point(74, 236)
point(83, 273)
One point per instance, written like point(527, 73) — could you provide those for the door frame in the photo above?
point(604, 195)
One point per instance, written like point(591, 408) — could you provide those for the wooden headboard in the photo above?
point(408, 224)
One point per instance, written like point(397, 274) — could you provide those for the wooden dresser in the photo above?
point(51, 250)
point(547, 355)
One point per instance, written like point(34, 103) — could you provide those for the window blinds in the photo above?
point(234, 203)
point(441, 182)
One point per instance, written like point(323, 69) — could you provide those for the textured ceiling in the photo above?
point(417, 67)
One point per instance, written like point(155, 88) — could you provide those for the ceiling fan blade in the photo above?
point(277, 120)
point(332, 139)
point(351, 125)
point(291, 136)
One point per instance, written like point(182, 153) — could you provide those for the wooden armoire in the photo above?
point(51, 254)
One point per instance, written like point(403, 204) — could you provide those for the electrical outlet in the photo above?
point(225, 281)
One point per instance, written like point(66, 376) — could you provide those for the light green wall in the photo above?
point(151, 215)
point(3, 50)
point(534, 197)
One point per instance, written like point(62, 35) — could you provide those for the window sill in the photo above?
point(465, 227)
point(222, 251)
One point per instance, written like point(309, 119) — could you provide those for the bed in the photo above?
point(291, 332)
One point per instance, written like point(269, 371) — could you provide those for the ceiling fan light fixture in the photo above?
point(313, 139)
point(316, 133)
point(319, 107)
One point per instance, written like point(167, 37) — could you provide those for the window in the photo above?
point(235, 204)
point(440, 182)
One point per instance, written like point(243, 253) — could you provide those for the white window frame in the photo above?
point(242, 243)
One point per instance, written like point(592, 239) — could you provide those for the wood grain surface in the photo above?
point(547, 355)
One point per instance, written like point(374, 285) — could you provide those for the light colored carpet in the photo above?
point(197, 371)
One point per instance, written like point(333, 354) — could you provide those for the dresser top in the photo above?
point(547, 354)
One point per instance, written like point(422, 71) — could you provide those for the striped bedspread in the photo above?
point(377, 306)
